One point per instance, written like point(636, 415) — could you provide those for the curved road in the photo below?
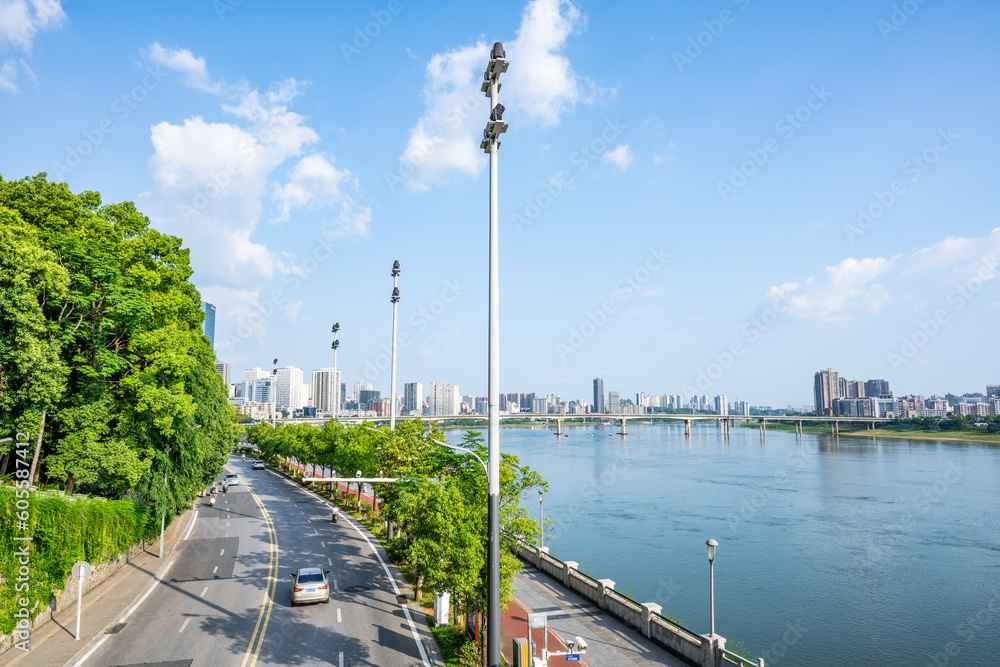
point(224, 599)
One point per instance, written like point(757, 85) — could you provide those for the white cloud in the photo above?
point(840, 293)
point(541, 87)
point(620, 157)
point(292, 310)
point(658, 160)
point(8, 76)
point(958, 258)
point(313, 182)
point(22, 20)
point(193, 70)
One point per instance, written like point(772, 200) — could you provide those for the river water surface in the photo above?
point(849, 551)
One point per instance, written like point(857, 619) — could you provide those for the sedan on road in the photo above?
point(309, 584)
point(231, 479)
point(258, 465)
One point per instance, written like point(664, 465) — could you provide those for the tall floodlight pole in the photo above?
point(274, 395)
point(392, 374)
point(491, 142)
point(336, 378)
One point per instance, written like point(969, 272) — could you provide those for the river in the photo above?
point(832, 552)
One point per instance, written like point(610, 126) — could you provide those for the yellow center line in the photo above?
point(268, 602)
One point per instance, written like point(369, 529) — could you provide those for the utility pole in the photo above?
point(392, 381)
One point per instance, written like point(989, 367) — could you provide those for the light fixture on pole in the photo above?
point(336, 378)
point(163, 511)
point(274, 392)
point(541, 515)
point(465, 450)
point(491, 142)
point(712, 545)
point(392, 375)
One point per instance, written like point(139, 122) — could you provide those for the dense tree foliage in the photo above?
point(102, 358)
point(440, 504)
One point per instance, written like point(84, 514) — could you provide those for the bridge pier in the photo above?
point(558, 427)
point(763, 430)
point(800, 429)
point(623, 432)
point(687, 427)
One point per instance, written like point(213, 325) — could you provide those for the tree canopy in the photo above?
point(102, 357)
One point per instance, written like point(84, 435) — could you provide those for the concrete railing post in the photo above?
point(711, 654)
point(567, 567)
point(648, 610)
point(603, 586)
point(538, 560)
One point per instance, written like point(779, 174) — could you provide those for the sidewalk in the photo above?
point(610, 642)
point(53, 643)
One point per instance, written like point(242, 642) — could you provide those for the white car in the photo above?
point(231, 479)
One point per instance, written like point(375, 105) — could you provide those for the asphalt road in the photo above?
point(225, 599)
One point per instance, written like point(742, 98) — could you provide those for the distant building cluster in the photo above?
point(839, 397)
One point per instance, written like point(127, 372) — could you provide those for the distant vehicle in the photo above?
point(258, 465)
point(231, 479)
point(309, 584)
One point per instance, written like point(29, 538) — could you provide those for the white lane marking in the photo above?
point(330, 561)
point(191, 527)
point(205, 590)
point(324, 544)
point(395, 589)
point(184, 625)
point(334, 584)
point(215, 569)
point(338, 615)
point(106, 637)
point(341, 659)
point(222, 552)
point(156, 580)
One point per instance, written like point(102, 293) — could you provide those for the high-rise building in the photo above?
point(208, 326)
point(288, 389)
point(540, 406)
point(222, 368)
point(722, 404)
point(614, 403)
point(599, 405)
point(260, 390)
point(826, 387)
point(360, 387)
point(992, 390)
point(445, 399)
point(854, 389)
point(366, 398)
point(413, 398)
point(855, 407)
point(878, 388)
point(326, 381)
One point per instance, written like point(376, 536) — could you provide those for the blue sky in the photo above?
point(718, 197)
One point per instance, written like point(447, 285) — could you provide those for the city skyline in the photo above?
point(776, 203)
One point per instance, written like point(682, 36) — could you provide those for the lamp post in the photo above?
point(712, 544)
point(465, 450)
point(392, 375)
point(336, 378)
point(274, 395)
point(491, 142)
point(541, 516)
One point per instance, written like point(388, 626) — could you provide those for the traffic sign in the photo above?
point(573, 657)
point(82, 569)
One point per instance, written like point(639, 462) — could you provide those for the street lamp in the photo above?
point(163, 512)
point(712, 544)
point(491, 142)
point(464, 450)
point(274, 395)
point(541, 516)
point(392, 381)
point(336, 378)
